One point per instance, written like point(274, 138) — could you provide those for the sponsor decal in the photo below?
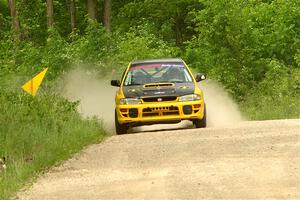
point(156, 66)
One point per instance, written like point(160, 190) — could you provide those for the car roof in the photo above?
point(163, 60)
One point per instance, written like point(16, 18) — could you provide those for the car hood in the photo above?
point(158, 90)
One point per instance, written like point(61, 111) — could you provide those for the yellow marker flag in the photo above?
point(33, 85)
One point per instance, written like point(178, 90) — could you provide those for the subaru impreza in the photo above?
point(158, 91)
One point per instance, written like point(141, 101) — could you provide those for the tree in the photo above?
point(15, 20)
point(72, 11)
point(92, 11)
point(50, 18)
point(171, 20)
point(107, 15)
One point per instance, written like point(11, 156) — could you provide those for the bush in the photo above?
point(139, 43)
point(37, 133)
point(277, 96)
point(237, 40)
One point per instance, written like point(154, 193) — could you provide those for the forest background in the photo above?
point(252, 47)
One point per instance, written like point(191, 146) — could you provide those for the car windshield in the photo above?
point(157, 73)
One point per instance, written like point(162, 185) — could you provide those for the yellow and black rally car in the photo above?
point(158, 91)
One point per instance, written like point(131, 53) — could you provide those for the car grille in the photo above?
point(160, 111)
point(159, 99)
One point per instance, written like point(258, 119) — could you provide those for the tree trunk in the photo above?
point(91, 5)
point(178, 25)
point(15, 21)
point(72, 14)
point(107, 15)
point(50, 18)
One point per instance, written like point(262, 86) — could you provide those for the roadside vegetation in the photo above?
point(37, 133)
point(251, 47)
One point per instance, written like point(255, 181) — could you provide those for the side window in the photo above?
point(187, 76)
point(128, 79)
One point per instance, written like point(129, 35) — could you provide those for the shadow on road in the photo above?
point(162, 127)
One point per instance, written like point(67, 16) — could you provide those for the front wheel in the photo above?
point(201, 123)
point(120, 128)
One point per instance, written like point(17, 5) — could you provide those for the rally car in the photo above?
point(158, 91)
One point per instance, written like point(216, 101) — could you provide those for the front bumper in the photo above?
point(162, 112)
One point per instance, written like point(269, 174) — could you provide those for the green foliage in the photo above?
point(237, 40)
point(170, 19)
point(6, 57)
point(139, 43)
point(93, 45)
point(37, 133)
point(33, 21)
point(233, 41)
point(4, 19)
point(277, 96)
point(55, 54)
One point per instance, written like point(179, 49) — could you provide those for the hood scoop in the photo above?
point(150, 85)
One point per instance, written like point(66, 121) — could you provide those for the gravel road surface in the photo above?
point(249, 160)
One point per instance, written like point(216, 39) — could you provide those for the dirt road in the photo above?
point(250, 160)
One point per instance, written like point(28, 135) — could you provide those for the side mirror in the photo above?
point(200, 77)
point(116, 83)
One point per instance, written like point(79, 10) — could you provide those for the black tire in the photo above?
point(201, 123)
point(120, 128)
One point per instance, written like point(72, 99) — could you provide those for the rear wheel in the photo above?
point(120, 128)
point(201, 123)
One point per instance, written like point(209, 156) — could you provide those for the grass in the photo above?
point(276, 97)
point(266, 108)
point(37, 133)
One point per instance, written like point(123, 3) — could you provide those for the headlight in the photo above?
point(130, 101)
point(190, 97)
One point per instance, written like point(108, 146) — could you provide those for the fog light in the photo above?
point(187, 110)
point(133, 113)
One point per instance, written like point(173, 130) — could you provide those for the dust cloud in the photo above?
point(96, 98)
point(221, 108)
